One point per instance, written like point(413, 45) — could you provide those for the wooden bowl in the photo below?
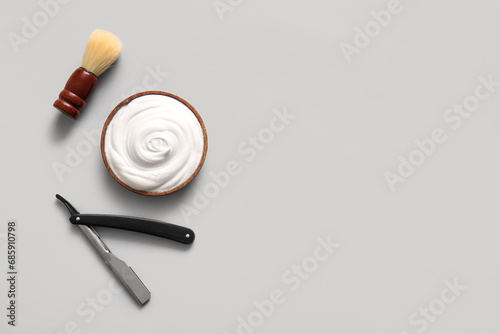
point(128, 100)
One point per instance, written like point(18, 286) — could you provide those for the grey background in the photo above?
point(323, 175)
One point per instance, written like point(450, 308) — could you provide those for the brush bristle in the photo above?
point(103, 48)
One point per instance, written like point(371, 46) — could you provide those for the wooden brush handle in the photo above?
point(72, 98)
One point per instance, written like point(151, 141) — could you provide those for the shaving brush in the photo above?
point(103, 48)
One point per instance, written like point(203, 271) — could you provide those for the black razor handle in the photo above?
point(149, 226)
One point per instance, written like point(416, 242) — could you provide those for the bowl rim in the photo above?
point(127, 101)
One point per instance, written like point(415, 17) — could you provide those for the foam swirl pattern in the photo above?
point(154, 143)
